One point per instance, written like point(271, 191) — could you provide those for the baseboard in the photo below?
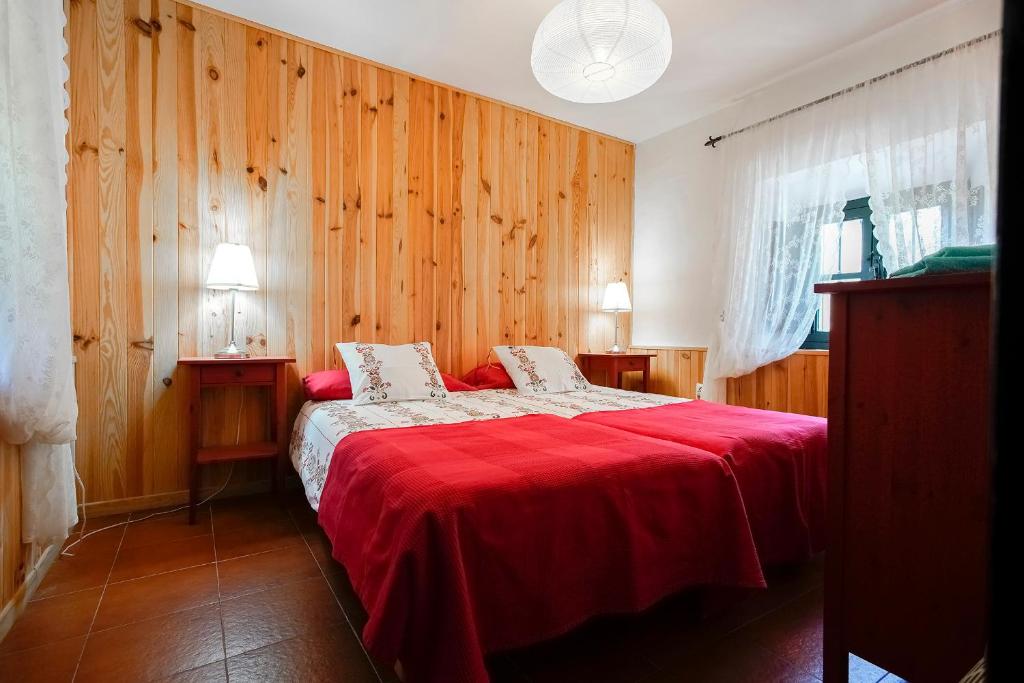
point(13, 609)
point(168, 498)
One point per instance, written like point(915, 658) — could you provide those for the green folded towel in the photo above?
point(951, 260)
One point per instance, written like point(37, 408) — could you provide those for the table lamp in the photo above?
point(232, 268)
point(616, 300)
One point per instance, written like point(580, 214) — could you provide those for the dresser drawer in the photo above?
point(626, 364)
point(237, 374)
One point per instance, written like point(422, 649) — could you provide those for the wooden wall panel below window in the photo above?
point(13, 554)
point(19, 562)
point(379, 207)
point(797, 384)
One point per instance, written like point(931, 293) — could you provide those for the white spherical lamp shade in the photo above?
point(601, 50)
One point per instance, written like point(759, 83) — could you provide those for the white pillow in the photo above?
point(541, 369)
point(380, 372)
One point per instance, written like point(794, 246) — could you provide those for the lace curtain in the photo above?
point(921, 143)
point(931, 154)
point(783, 181)
point(37, 399)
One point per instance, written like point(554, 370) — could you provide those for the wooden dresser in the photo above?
point(909, 473)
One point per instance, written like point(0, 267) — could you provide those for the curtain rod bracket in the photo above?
point(712, 141)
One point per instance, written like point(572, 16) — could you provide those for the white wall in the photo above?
point(678, 183)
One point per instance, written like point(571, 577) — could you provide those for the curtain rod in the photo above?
point(714, 140)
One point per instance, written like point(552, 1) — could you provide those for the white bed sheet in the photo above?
point(322, 424)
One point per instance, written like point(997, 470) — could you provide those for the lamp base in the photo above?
point(615, 349)
point(231, 351)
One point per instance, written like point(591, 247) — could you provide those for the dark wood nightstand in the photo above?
point(258, 371)
point(612, 365)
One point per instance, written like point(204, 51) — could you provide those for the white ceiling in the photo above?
point(721, 48)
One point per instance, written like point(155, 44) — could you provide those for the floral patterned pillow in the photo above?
point(381, 372)
point(541, 369)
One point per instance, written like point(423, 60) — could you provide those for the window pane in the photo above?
point(917, 233)
point(824, 313)
point(851, 246)
point(829, 250)
point(929, 227)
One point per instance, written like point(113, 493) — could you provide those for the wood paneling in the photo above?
point(797, 384)
point(674, 371)
point(379, 206)
point(21, 565)
point(13, 553)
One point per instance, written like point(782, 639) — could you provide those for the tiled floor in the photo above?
point(251, 594)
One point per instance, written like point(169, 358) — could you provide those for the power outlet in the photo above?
point(699, 393)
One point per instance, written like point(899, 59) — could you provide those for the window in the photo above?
point(849, 251)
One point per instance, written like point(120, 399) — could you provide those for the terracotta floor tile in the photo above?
point(88, 568)
point(280, 591)
point(53, 619)
point(51, 663)
point(247, 511)
point(139, 599)
point(303, 515)
point(260, 619)
point(257, 538)
point(145, 560)
point(331, 654)
point(266, 570)
point(337, 578)
point(211, 673)
point(94, 523)
point(166, 528)
point(586, 654)
point(734, 660)
point(155, 648)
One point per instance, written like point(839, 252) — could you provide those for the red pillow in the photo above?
point(455, 384)
point(489, 376)
point(327, 385)
point(336, 385)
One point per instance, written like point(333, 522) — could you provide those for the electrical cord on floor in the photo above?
point(83, 535)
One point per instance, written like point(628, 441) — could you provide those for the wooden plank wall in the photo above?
point(17, 559)
point(797, 384)
point(379, 207)
point(674, 371)
point(12, 551)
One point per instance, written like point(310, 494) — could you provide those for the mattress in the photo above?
point(320, 425)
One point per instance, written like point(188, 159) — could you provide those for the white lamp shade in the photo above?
point(232, 268)
point(601, 50)
point(616, 298)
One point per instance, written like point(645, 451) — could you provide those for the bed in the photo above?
point(779, 460)
point(491, 520)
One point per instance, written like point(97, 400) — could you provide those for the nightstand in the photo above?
point(257, 371)
point(612, 365)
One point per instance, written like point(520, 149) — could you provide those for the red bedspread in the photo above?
point(469, 538)
point(779, 460)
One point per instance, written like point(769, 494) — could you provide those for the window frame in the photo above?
point(871, 264)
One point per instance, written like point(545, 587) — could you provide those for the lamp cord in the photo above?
point(83, 535)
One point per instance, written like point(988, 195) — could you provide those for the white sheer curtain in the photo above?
point(37, 399)
point(932, 139)
point(921, 143)
point(783, 181)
